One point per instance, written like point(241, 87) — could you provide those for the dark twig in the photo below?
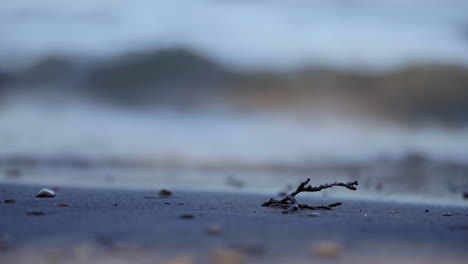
point(290, 204)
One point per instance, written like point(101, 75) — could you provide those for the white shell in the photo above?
point(45, 193)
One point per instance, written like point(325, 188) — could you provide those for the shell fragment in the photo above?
point(45, 193)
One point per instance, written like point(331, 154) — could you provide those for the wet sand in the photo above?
point(123, 226)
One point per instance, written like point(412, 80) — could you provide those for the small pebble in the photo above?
point(62, 205)
point(394, 212)
point(448, 214)
point(10, 201)
point(115, 204)
point(427, 211)
point(187, 216)
point(45, 193)
point(165, 192)
point(35, 213)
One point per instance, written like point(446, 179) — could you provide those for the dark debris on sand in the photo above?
point(290, 204)
point(35, 213)
point(187, 216)
point(165, 192)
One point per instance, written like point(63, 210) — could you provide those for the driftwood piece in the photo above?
point(290, 204)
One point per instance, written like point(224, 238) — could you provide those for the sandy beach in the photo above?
point(121, 226)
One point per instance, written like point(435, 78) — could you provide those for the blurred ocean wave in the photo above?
point(55, 128)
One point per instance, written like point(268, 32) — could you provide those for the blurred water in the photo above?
point(101, 132)
point(248, 34)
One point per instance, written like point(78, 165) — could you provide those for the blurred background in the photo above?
point(236, 95)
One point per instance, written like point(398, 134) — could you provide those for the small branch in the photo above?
point(290, 204)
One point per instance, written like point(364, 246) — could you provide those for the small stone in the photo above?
point(227, 256)
point(214, 230)
point(426, 211)
point(394, 212)
point(45, 193)
point(36, 213)
point(465, 195)
point(314, 214)
point(115, 204)
point(165, 192)
point(187, 216)
point(62, 205)
point(447, 214)
point(328, 249)
point(10, 201)
point(167, 203)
